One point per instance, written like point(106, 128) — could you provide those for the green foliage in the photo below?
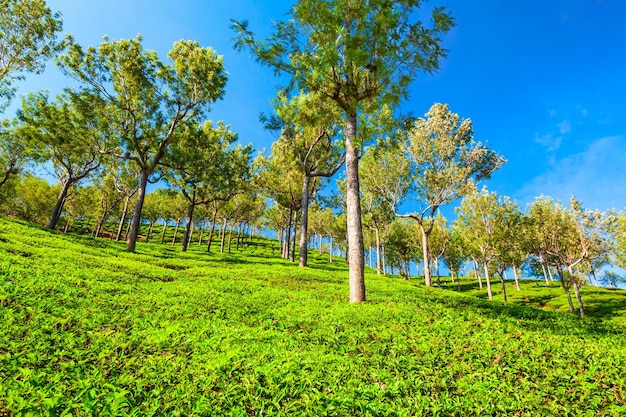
point(89, 329)
point(28, 30)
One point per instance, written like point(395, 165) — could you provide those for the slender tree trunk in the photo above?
point(477, 274)
point(458, 282)
point(486, 265)
point(330, 249)
point(595, 278)
point(304, 222)
point(565, 286)
point(238, 236)
point(550, 273)
point(287, 239)
point(58, 207)
point(150, 229)
point(516, 275)
point(118, 236)
point(176, 231)
point(222, 236)
point(371, 258)
point(426, 255)
point(436, 266)
point(293, 240)
point(230, 236)
point(190, 209)
point(353, 213)
point(502, 280)
point(141, 194)
point(378, 260)
point(67, 225)
point(383, 260)
point(128, 224)
point(212, 230)
point(579, 299)
point(321, 243)
point(545, 274)
point(202, 232)
point(164, 230)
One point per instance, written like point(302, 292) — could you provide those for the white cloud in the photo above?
point(549, 141)
point(595, 176)
point(564, 127)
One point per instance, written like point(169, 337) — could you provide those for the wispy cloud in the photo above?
point(564, 127)
point(595, 176)
point(549, 141)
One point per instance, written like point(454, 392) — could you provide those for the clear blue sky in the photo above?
point(543, 81)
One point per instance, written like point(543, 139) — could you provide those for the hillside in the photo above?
point(90, 329)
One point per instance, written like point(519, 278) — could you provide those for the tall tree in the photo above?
point(343, 50)
point(442, 164)
point(147, 100)
point(28, 30)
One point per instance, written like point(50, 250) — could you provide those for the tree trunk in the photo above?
point(176, 231)
point(595, 278)
point(202, 232)
point(550, 273)
point(378, 260)
point(384, 267)
point(515, 274)
point(293, 239)
point(208, 246)
point(579, 299)
point(118, 236)
point(187, 234)
point(304, 222)
point(353, 213)
point(238, 236)
point(486, 265)
point(321, 244)
point(141, 193)
point(128, 224)
point(545, 274)
point(230, 236)
point(222, 236)
point(330, 249)
point(164, 230)
point(425, 251)
point(58, 207)
point(287, 237)
point(565, 286)
point(150, 230)
point(503, 288)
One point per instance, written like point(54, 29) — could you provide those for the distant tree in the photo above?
point(357, 55)
point(455, 255)
point(28, 30)
point(199, 163)
point(436, 163)
point(33, 199)
point(310, 134)
point(15, 151)
point(402, 247)
point(439, 241)
point(147, 100)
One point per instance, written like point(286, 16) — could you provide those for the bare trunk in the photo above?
point(550, 273)
point(371, 258)
point(211, 231)
point(486, 265)
point(190, 209)
point(304, 222)
point(425, 252)
point(477, 274)
point(293, 240)
point(565, 286)
point(516, 275)
point(321, 244)
point(230, 236)
point(58, 207)
point(134, 231)
point(222, 236)
point(378, 260)
point(176, 231)
point(545, 274)
point(238, 237)
point(164, 230)
point(503, 288)
point(287, 237)
point(122, 219)
point(202, 232)
point(384, 266)
point(353, 214)
point(595, 278)
point(330, 249)
point(579, 300)
point(150, 230)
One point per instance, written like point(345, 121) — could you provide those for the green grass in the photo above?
point(89, 329)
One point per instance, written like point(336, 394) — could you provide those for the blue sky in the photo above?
point(543, 81)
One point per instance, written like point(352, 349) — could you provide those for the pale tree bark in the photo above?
point(378, 260)
point(190, 210)
point(353, 214)
point(118, 236)
point(545, 274)
point(58, 207)
point(427, 276)
point(486, 267)
point(565, 286)
point(212, 230)
point(304, 222)
point(579, 300)
point(516, 275)
point(176, 231)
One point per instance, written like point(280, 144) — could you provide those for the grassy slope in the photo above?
point(90, 329)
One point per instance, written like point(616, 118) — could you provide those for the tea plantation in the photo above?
point(90, 329)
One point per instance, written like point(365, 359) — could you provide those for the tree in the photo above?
point(401, 246)
point(485, 220)
point(33, 199)
point(441, 163)
point(199, 163)
point(455, 255)
point(343, 50)
point(564, 236)
point(310, 133)
point(14, 151)
point(67, 133)
point(28, 30)
point(147, 100)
